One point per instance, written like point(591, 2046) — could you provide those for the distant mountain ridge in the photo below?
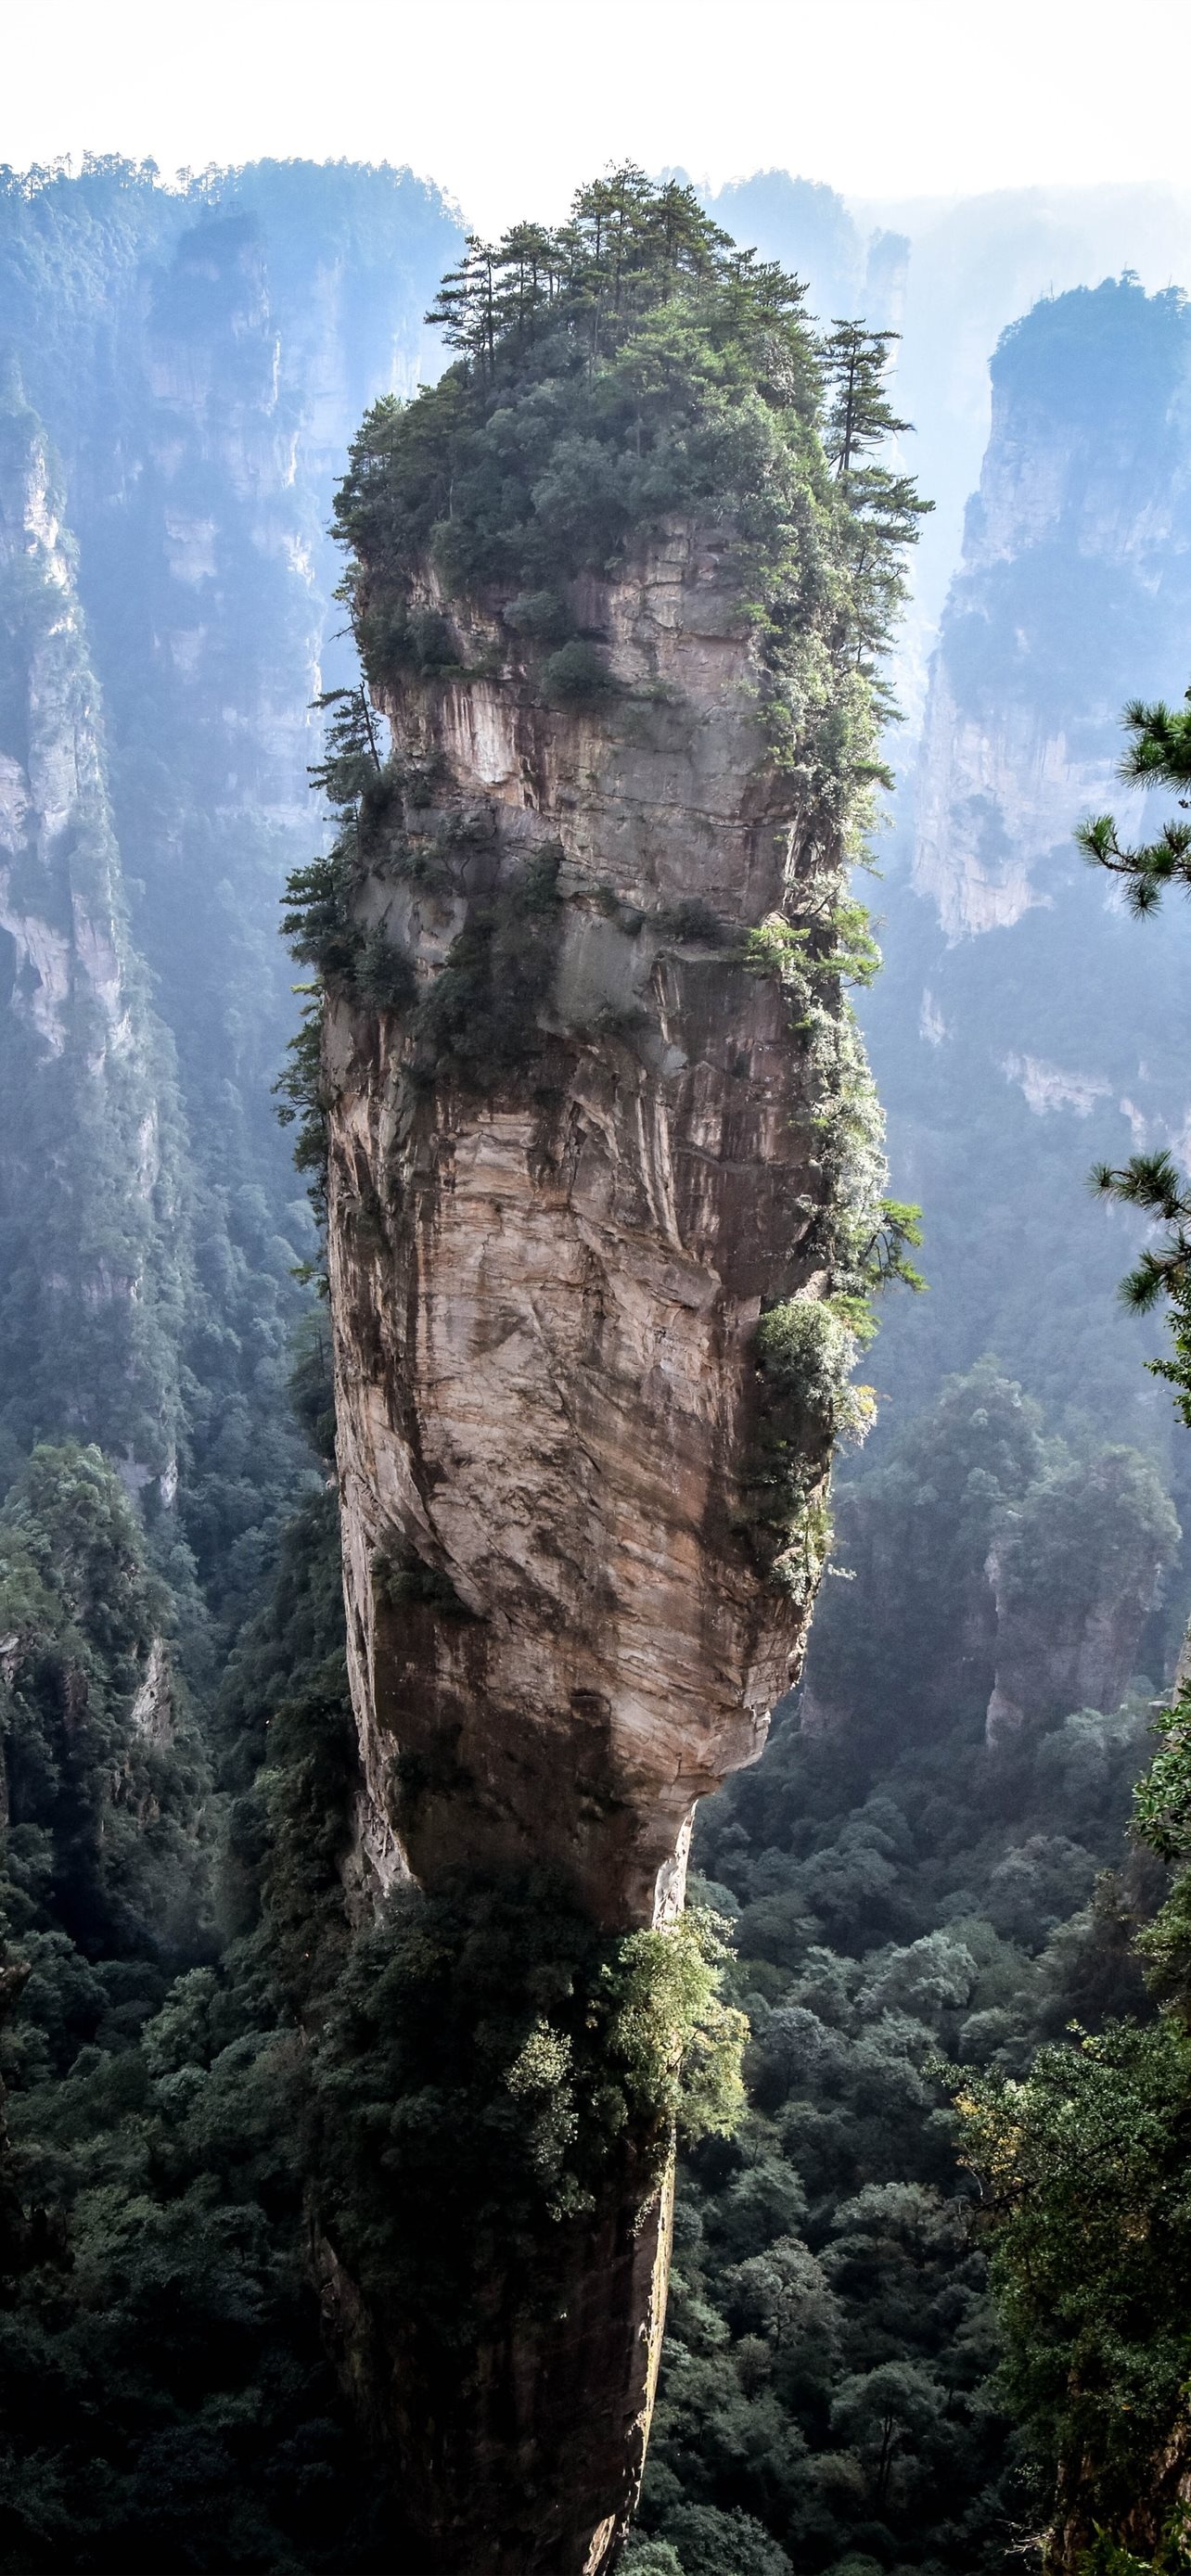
point(195, 362)
point(1025, 1025)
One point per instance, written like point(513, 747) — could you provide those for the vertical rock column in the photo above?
point(559, 1194)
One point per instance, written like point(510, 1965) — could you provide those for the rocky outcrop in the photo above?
point(65, 932)
point(1074, 1570)
point(994, 803)
point(545, 1292)
point(560, 1193)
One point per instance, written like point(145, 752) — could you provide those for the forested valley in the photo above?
point(923, 2031)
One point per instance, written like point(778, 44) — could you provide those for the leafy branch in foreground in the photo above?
point(1153, 1183)
point(1159, 755)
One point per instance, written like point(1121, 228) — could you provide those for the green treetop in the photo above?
point(627, 365)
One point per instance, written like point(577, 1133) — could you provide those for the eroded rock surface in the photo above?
point(545, 1292)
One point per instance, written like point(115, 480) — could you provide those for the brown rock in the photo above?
point(546, 1275)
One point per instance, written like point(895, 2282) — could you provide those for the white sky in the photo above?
point(508, 103)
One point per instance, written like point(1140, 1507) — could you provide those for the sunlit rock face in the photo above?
point(546, 1278)
point(545, 1295)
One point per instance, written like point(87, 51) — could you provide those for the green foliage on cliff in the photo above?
point(1085, 2173)
point(485, 2064)
point(628, 366)
point(806, 1351)
point(1085, 2170)
point(103, 1766)
point(806, 1348)
point(1172, 2557)
point(479, 1019)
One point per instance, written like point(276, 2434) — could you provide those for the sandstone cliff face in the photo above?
point(545, 1297)
point(1080, 519)
point(548, 1259)
point(997, 789)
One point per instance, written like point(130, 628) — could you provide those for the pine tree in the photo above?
point(465, 308)
point(1159, 755)
point(883, 506)
point(855, 363)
